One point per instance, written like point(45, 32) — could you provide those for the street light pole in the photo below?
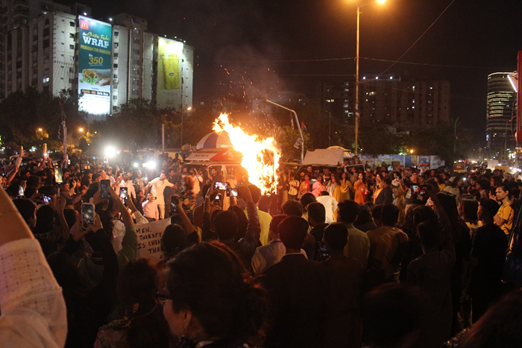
point(296, 121)
point(357, 113)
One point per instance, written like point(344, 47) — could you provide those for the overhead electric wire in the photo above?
point(420, 37)
point(320, 60)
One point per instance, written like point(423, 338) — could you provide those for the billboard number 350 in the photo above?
point(95, 60)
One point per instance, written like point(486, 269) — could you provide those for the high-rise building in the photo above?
point(389, 100)
point(500, 110)
point(14, 14)
point(59, 50)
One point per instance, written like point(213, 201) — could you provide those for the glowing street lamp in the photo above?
point(357, 113)
point(80, 129)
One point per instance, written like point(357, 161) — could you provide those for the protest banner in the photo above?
point(149, 240)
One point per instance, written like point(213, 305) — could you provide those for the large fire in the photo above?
point(260, 156)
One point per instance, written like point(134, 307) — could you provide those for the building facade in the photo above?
point(500, 111)
point(14, 15)
point(389, 100)
point(43, 52)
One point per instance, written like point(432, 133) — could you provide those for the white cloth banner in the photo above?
point(149, 240)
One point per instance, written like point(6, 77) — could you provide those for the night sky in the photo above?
point(294, 44)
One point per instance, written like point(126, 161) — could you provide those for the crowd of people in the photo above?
point(337, 257)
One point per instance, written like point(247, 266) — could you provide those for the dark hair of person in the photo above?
point(276, 220)
point(364, 215)
point(499, 326)
point(14, 187)
point(48, 190)
point(107, 222)
point(324, 193)
point(469, 208)
point(174, 240)
point(210, 280)
point(306, 199)
point(390, 313)
point(408, 226)
point(497, 180)
point(336, 235)
point(489, 207)
point(387, 180)
point(33, 180)
point(317, 212)
point(264, 203)
point(449, 204)
point(377, 212)
point(390, 215)
point(30, 191)
point(242, 221)
point(429, 234)
point(292, 232)
point(292, 207)
point(44, 219)
point(137, 282)
point(348, 210)
point(505, 188)
point(484, 184)
point(423, 213)
point(70, 216)
point(456, 180)
point(26, 208)
point(255, 192)
point(226, 225)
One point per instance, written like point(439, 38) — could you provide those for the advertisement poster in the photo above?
point(410, 160)
point(94, 63)
point(383, 159)
point(170, 64)
point(436, 162)
point(397, 160)
point(424, 161)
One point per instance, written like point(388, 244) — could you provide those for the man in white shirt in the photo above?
point(270, 254)
point(157, 186)
point(127, 182)
point(330, 204)
point(150, 208)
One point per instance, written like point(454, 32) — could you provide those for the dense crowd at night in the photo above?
point(347, 256)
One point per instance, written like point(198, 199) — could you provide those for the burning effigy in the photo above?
point(260, 156)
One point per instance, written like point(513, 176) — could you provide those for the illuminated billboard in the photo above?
point(94, 66)
point(170, 77)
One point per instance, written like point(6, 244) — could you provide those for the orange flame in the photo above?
point(260, 156)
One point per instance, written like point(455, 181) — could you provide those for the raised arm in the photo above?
point(33, 308)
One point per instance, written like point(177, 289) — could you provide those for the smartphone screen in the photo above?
point(124, 193)
point(233, 192)
point(104, 185)
point(58, 175)
point(415, 189)
point(220, 185)
point(20, 190)
point(88, 214)
point(46, 199)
